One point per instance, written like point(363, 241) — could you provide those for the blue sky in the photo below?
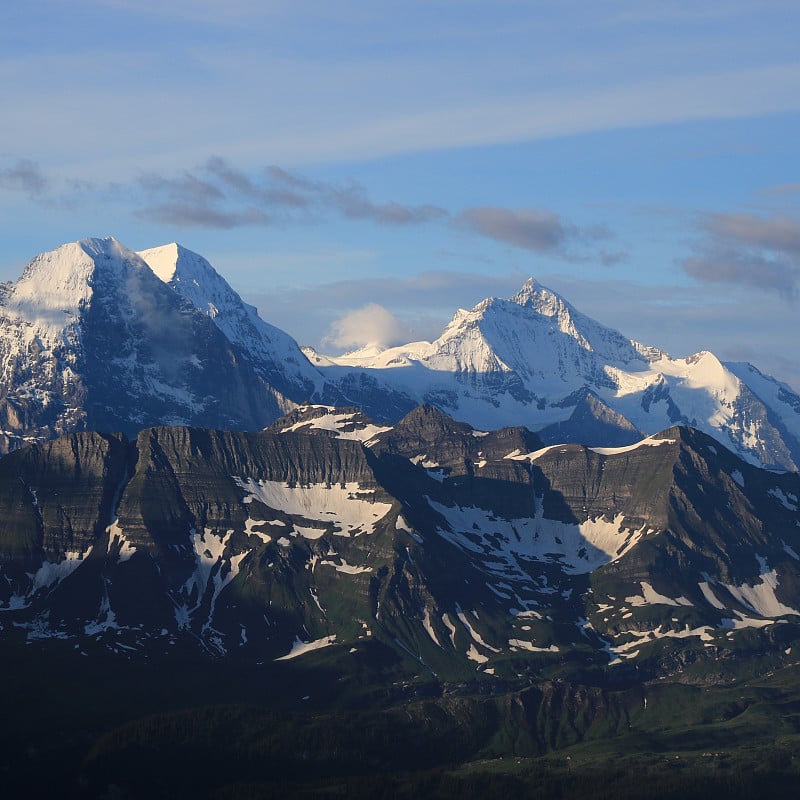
point(639, 157)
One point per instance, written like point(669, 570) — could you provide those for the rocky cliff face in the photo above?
point(468, 550)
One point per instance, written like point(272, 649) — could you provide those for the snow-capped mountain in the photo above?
point(92, 339)
point(536, 360)
point(95, 336)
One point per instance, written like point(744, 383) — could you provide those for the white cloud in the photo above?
point(369, 326)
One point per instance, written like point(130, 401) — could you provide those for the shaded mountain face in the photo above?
point(466, 553)
point(92, 339)
point(273, 354)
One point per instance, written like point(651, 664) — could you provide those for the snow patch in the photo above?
point(523, 645)
point(788, 501)
point(651, 597)
point(502, 543)
point(613, 451)
point(761, 597)
point(347, 509)
point(299, 647)
point(349, 569)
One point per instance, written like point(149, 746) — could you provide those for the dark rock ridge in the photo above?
point(465, 552)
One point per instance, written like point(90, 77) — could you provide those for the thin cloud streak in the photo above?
point(218, 195)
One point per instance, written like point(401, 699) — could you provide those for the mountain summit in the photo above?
point(273, 353)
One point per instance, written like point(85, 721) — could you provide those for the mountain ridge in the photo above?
point(467, 549)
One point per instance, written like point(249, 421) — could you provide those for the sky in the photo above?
point(359, 170)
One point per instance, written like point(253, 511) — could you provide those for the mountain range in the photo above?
point(96, 337)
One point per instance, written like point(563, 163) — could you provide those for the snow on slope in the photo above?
point(45, 329)
point(348, 510)
point(502, 543)
point(339, 423)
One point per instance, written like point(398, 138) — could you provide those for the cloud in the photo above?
point(747, 325)
point(748, 250)
point(370, 326)
point(540, 231)
point(217, 195)
point(352, 202)
point(775, 233)
point(424, 302)
point(782, 189)
point(24, 176)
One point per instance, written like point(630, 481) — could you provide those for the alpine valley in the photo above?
point(530, 558)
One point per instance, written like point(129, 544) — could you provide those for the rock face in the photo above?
point(474, 552)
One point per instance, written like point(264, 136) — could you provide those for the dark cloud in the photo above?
point(612, 259)
point(188, 215)
point(187, 188)
point(24, 176)
point(540, 231)
point(217, 195)
point(777, 233)
point(352, 202)
point(748, 250)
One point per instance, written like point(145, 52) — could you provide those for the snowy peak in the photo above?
point(192, 277)
point(57, 287)
point(273, 353)
point(163, 260)
point(539, 298)
point(535, 359)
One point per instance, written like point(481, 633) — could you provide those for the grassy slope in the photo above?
point(89, 726)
